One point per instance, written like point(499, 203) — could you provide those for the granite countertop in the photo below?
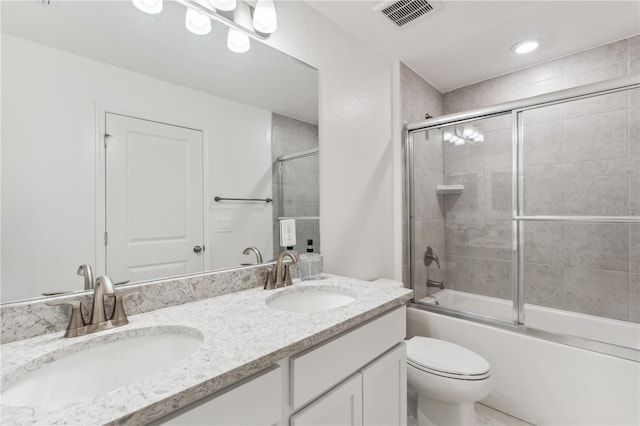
point(240, 335)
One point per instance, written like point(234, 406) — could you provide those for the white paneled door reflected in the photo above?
point(154, 199)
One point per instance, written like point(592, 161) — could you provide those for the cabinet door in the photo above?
point(256, 401)
point(384, 384)
point(341, 406)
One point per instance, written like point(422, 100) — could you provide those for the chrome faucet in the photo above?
point(99, 320)
point(283, 278)
point(85, 270)
point(104, 286)
point(254, 250)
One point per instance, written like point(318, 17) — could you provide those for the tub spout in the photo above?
point(435, 284)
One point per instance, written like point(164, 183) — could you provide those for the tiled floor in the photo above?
point(486, 416)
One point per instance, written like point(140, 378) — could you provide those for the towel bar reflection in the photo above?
point(263, 200)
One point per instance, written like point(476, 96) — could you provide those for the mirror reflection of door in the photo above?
point(154, 199)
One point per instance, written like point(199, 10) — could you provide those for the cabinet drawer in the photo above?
point(256, 400)
point(322, 367)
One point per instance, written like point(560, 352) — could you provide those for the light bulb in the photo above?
point(479, 138)
point(197, 22)
point(237, 42)
point(264, 17)
point(459, 142)
point(151, 7)
point(468, 130)
point(223, 4)
point(447, 136)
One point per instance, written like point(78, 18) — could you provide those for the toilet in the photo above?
point(446, 379)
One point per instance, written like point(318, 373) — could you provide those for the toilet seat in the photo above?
point(446, 359)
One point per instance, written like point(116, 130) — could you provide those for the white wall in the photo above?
point(49, 102)
point(359, 226)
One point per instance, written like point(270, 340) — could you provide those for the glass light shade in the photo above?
point(468, 131)
point(480, 138)
point(197, 22)
point(223, 4)
point(151, 7)
point(264, 17)
point(237, 41)
point(459, 142)
point(446, 136)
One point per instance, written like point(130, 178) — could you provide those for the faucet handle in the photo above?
point(430, 256)
point(268, 283)
point(76, 322)
point(119, 316)
point(287, 275)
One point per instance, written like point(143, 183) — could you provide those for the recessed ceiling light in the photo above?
point(525, 46)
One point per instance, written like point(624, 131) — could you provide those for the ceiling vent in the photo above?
point(403, 12)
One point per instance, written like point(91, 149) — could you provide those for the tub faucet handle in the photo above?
point(430, 256)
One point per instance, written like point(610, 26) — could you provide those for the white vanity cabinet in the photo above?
point(375, 395)
point(340, 406)
point(257, 400)
point(359, 378)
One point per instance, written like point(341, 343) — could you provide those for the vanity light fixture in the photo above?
point(225, 5)
point(197, 22)
point(246, 23)
point(238, 41)
point(264, 17)
point(462, 135)
point(151, 7)
point(525, 46)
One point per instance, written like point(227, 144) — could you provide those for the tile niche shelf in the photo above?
point(449, 189)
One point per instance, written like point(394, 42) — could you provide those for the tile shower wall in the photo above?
point(419, 98)
point(581, 158)
point(478, 232)
point(300, 180)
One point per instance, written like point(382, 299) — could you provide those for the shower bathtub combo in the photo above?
point(533, 209)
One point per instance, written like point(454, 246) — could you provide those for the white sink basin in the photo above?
point(107, 366)
point(309, 299)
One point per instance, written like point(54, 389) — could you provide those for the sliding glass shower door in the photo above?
point(528, 213)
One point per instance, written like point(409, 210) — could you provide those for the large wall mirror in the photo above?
point(120, 130)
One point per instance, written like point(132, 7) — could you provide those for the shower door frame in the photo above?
point(515, 109)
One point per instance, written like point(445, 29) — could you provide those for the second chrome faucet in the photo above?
point(282, 272)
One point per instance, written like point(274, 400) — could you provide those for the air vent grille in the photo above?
point(404, 11)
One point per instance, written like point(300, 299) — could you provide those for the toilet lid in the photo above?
point(440, 356)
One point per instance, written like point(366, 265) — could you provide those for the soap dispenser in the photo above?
point(310, 264)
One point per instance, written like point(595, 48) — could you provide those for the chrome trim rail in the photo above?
point(574, 341)
point(588, 90)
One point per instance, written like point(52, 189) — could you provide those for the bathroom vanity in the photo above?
point(258, 359)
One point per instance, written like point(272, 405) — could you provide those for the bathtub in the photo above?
point(537, 380)
point(615, 332)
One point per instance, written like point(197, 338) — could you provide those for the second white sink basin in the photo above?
point(103, 367)
point(309, 299)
